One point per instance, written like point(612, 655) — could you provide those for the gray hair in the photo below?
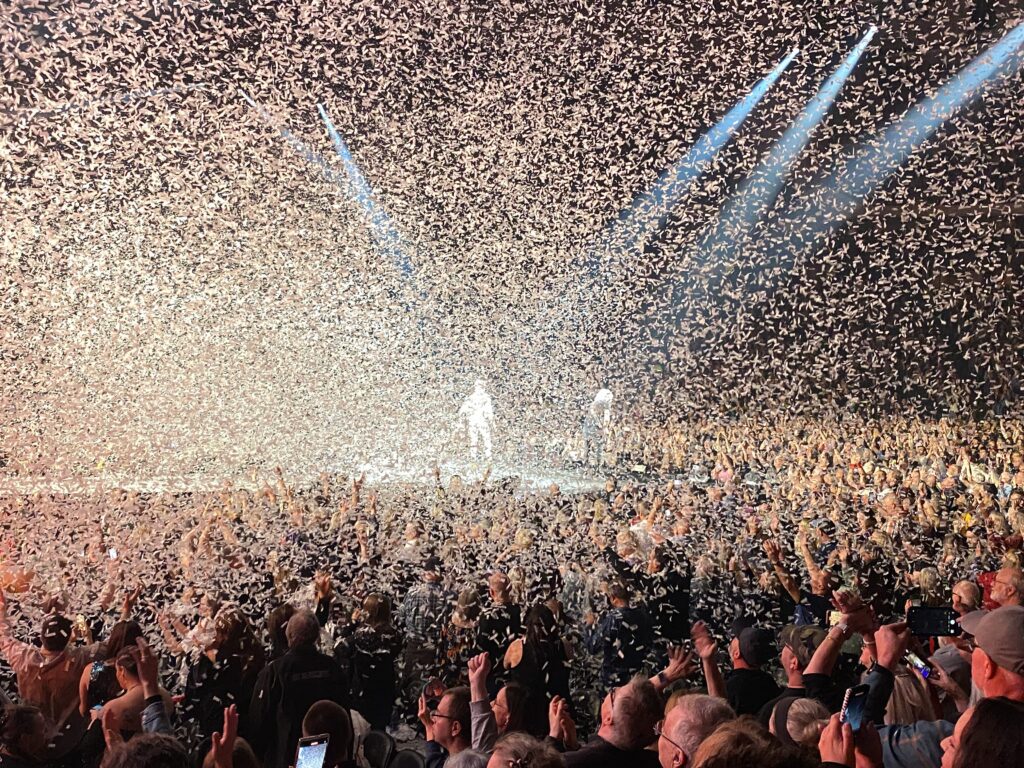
point(522, 747)
point(699, 715)
point(302, 630)
point(467, 758)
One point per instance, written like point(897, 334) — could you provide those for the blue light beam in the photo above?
point(310, 155)
point(762, 186)
point(384, 231)
point(649, 209)
point(869, 164)
point(346, 181)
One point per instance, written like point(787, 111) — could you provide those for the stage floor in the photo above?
point(533, 478)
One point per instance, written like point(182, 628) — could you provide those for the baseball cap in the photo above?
point(757, 646)
point(1000, 634)
point(803, 641)
point(739, 623)
point(954, 665)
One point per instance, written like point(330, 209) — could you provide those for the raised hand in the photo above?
point(554, 721)
point(148, 666)
point(680, 664)
point(129, 601)
point(479, 669)
point(322, 585)
point(705, 646)
point(223, 743)
point(423, 713)
point(891, 641)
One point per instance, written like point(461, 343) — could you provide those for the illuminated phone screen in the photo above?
point(312, 752)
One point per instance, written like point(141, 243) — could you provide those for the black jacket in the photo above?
point(285, 690)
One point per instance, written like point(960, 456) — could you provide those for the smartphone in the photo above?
point(853, 706)
point(112, 553)
point(834, 618)
point(312, 751)
point(917, 663)
point(932, 622)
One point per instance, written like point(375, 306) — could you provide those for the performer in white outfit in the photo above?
point(595, 426)
point(477, 412)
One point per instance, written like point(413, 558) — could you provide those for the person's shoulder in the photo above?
point(514, 654)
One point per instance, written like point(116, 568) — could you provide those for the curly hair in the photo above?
point(523, 751)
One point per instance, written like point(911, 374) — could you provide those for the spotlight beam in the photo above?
point(839, 195)
point(349, 182)
point(649, 209)
point(759, 189)
point(383, 229)
point(309, 154)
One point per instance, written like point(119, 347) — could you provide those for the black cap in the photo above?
point(757, 646)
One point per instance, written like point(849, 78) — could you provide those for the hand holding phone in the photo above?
point(919, 664)
point(312, 751)
point(853, 706)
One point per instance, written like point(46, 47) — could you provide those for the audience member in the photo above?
point(749, 687)
point(288, 687)
point(448, 727)
point(687, 724)
point(330, 718)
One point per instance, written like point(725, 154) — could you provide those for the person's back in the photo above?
point(748, 687)
point(372, 651)
point(628, 717)
point(288, 687)
point(48, 676)
point(623, 636)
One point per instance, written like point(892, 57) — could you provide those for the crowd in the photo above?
point(714, 616)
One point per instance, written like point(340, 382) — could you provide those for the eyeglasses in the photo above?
point(659, 731)
point(435, 713)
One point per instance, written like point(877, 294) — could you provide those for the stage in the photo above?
point(379, 473)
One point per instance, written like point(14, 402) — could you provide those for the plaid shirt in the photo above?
point(424, 611)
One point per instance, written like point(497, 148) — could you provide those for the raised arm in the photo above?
point(483, 726)
point(12, 649)
point(812, 567)
point(707, 649)
point(170, 639)
point(680, 665)
point(856, 619)
point(771, 548)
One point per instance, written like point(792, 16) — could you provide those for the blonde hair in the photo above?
point(804, 721)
